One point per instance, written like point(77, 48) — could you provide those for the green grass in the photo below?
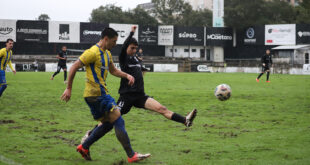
point(262, 123)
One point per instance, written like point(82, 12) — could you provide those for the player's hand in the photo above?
point(14, 71)
point(66, 95)
point(131, 80)
point(133, 28)
point(264, 64)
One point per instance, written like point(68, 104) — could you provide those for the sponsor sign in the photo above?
point(123, 31)
point(32, 31)
point(189, 36)
point(302, 34)
point(7, 30)
point(64, 32)
point(165, 67)
point(165, 35)
point(280, 34)
point(148, 35)
point(219, 36)
point(254, 35)
point(218, 13)
point(91, 32)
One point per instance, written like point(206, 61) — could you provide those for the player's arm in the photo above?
point(118, 73)
point(123, 54)
point(61, 58)
point(67, 93)
point(263, 60)
point(10, 65)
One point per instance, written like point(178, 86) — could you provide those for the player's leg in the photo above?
point(3, 85)
point(154, 105)
point(260, 75)
point(65, 73)
point(268, 73)
point(58, 70)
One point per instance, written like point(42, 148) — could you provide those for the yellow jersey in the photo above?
point(5, 58)
point(96, 62)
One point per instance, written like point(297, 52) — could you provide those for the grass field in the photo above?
point(262, 123)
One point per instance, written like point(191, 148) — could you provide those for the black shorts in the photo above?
point(61, 66)
point(126, 101)
point(265, 68)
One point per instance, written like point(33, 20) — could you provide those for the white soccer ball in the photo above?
point(222, 92)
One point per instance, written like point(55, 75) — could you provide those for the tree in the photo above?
point(43, 17)
point(169, 11)
point(140, 16)
point(240, 14)
point(303, 12)
point(109, 14)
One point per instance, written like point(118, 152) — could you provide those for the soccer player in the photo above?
point(62, 63)
point(98, 62)
point(134, 95)
point(266, 64)
point(5, 59)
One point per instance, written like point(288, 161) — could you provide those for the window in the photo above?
point(307, 58)
point(186, 50)
point(194, 50)
point(175, 50)
point(171, 50)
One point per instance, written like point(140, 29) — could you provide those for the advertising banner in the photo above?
point(280, 34)
point(189, 36)
point(165, 35)
point(7, 30)
point(91, 32)
point(219, 36)
point(302, 34)
point(218, 13)
point(254, 35)
point(123, 31)
point(63, 32)
point(148, 35)
point(32, 31)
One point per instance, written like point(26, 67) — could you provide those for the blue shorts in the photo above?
point(2, 77)
point(100, 106)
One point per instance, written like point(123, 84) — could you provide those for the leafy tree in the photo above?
point(140, 16)
point(43, 17)
point(109, 14)
point(303, 12)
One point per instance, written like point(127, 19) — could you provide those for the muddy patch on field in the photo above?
point(186, 151)
point(122, 162)
point(228, 134)
point(16, 127)
point(6, 121)
point(62, 131)
point(71, 142)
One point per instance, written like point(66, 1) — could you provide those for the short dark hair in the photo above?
point(133, 41)
point(8, 40)
point(109, 32)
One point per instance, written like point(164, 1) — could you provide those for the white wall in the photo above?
point(179, 51)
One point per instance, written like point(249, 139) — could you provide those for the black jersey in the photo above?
point(132, 66)
point(267, 59)
point(62, 54)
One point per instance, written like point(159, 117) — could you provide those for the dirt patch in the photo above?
point(228, 134)
point(62, 131)
point(71, 142)
point(186, 151)
point(16, 127)
point(6, 121)
point(122, 162)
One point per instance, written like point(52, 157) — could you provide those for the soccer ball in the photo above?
point(222, 92)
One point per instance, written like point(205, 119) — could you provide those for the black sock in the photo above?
point(178, 118)
point(268, 76)
point(65, 75)
point(260, 75)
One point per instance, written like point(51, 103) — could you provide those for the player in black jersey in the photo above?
point(134, 95)
point(62, 63)
point(266, 64)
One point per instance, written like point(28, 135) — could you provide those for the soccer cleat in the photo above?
point(138, 157)
point(257, 80)
point(268, 81)
point(52, 78)
point(65, 82)
point(85, 136)
point(84, 152)
point(190, 118)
